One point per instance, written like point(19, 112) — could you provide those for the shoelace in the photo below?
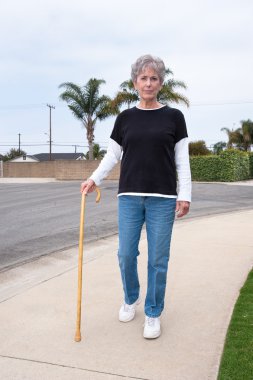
point(128, 307)
point(150, 321)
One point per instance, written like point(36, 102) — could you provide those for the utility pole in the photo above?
point(19, 143)
point(50, 131)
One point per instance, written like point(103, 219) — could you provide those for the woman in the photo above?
point(154, 142)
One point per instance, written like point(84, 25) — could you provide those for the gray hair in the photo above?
point(149, 61)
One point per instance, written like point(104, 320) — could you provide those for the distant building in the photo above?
point(41, 157)
point(24, 158)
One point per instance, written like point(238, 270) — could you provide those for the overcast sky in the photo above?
point(207, 44)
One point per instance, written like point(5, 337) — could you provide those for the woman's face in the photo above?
point(148, 84)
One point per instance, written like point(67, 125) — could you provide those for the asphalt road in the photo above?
point(38, 219)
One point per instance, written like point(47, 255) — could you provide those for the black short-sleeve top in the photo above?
point(148, 139)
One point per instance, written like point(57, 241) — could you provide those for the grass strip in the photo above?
point(237, 358)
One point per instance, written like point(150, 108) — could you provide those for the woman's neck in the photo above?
point(146, 104)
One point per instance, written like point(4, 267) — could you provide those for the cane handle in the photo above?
point(98, 194)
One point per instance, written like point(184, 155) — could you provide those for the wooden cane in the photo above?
point(80, 265)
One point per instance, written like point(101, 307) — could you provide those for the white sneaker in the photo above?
point(152, 328)
point(127, 312)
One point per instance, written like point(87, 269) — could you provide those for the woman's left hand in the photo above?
point(182, 208)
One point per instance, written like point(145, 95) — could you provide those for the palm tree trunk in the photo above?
point(91, 151)
point(90, 138)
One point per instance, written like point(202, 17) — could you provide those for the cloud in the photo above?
point(206, 43)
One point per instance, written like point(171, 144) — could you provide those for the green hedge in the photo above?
point(251, 165)
point(205, 168)
point(231, 165)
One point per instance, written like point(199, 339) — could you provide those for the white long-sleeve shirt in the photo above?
point(113, 156)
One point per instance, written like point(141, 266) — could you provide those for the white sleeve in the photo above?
point(110, 159)
point(183, 170)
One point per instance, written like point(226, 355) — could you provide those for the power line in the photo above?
point(53, 144)
point(21, 106)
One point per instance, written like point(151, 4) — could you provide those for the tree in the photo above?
point(98, 153)
point(13, 153)
point(128, 95)
point(247, 135)
point(168, 93)
point(88, 106)
point(219, 147)
point(241, 138)
point(233, 136)
point(198, 148)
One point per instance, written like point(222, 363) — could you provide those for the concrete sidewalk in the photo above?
point(26, 180)
point(210, 260)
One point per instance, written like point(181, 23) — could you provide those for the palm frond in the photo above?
point(72, 95)
point(77, 112)
point(127, 85)
point(247, 130)
point(225, 129)
point(124, 97)
point(70, 86)
point(166, 95)
point(106, 108)
point(172, 83)
point(91, 94)
point(168, 72)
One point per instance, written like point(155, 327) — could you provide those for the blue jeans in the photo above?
point(158, 213)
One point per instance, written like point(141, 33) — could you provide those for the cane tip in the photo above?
point(78, 337)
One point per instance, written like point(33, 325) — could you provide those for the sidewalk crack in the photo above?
point(73, 367)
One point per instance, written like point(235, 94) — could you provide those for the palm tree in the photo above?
point(233, 136)
point(128, 94)
point(87, 106)
point(247, 134)
point(241, 138)
point(98, 153)
point(168, 93)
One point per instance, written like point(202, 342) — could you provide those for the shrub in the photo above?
point(251, 164)
point(205, 168)
point(198, 148)
point(235, 165)
point(230, 165)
